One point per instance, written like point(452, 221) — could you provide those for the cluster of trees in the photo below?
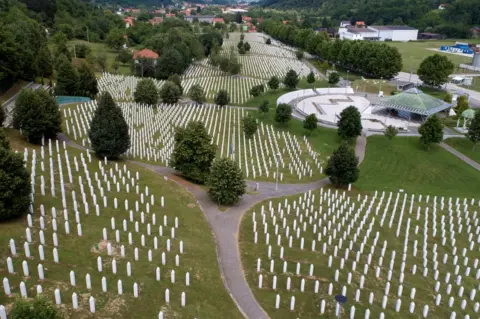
point(243, 47)
point(370, 58)
point(435, 69)
point(73, 81)
point(194, 157)
point(227, 63)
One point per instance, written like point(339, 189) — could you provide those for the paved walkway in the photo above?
point(464, 158)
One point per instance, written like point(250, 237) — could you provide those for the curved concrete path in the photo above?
point(226, 225)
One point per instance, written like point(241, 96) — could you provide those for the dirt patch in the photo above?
point(101, 247)
point(191, 205)
point(115, 306)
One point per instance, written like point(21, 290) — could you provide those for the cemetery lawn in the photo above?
point(307, 303)
point(110, 54)
point(403, 164)
point(465, 147)
point(205, 298)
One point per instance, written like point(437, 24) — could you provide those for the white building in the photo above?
point(400, 33)
point(357, 34)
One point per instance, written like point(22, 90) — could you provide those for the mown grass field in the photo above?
point(206, 296)
point(109, 53)
point(465, 147)
point(414, 52)
point(404, 164)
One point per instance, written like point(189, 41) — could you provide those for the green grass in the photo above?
point(464, 146)
point(352, 76)
point(307, 303)
point(206, 297)
point(403, 164)
point(10, 92)
point(436, 93)
point(111, 55)
point(414, 52)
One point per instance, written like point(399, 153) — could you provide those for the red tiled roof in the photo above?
point(145, 53)
point(156, 20)
point(245, 18)
point(218, 20)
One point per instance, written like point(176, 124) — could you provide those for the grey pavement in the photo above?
point(9, 105)
point(461, 156)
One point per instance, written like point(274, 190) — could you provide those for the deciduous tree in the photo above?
point(311, 77)
point(350, 123)
point(273, 83)
point(87, 82)
point(333, 78)
point(473, 133)
point(310, 123)
point(226, 181)
point(146, 92)
point(390, 132)
point(264, 107)
point(193, 153)
point(431, 131)
point(249, 125)
point(283, 113)
point(37, 114)
point(342, 168)
point(435, 69)
point(222, 98)
point(197, 94)
point(170, 92)
point(291, 79)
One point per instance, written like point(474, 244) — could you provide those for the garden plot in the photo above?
point(152, 138)
point(121, 87)
point(393, 255)
point(106, 240)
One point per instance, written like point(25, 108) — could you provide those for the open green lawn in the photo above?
point(403, 164)
point(10, 92)
point(348, 235)
point(206, 296)
point(111, 55)
point(414, 52)
point(464, 146)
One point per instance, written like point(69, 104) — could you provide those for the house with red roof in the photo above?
point(155, 20)
point(145, 54)
point(218, 20)
point(246, 19)
point(170, 15)
point(129, 22)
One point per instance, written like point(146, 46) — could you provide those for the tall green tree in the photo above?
point(124, 56)
point(273, 83)
point(310, 123)
point(146, 92)
point(226, 182)
point(101, 60)
point(175, 78)
point(249, 125)
point(283, 113)
point(115, 39)
point(87, 82)
point(342, 168)
point(431, 131)
point(67, 78)
point(350, 123)
point(473, 133)
point(14, 185)
point(462, 105)
point(37, 114)
point(222, 98)
point(264, 108)
point(435, 69)
point(311, 78)
point(291, 79)
point(193, 153)
point(109, 133)
point(197, 94)
point(333, 78)
point(170, 93)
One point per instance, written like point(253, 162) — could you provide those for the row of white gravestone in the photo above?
point(292, 146)
point(436, 275)
point(118, 85)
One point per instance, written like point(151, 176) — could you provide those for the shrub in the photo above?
point(273, 83)
point(264, 108)
point(39, 308)
point(249, 125)
point(390, 132)
point(333, 78)
point(291, 79)
point(283, 113)
point(310, 123)
point(197, 94)
point(222, 98)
